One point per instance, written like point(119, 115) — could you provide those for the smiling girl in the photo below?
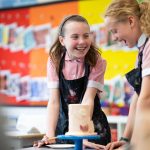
point(75, 75)
point(129, 23)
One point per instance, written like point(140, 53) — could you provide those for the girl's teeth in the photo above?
point(123, 43)
point(80, 48)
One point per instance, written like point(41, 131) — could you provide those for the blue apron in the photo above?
point(134, 77)
point(78, 86)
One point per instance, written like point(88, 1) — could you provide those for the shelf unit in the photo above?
point(120, 122)
point(14, 112)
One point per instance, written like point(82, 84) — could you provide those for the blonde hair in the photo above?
point(121, 9)
point(57, 49)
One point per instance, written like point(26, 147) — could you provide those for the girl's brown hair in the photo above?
point(57, 49)
point(121, 9)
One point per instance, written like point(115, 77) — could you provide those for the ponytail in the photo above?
point(145, 17)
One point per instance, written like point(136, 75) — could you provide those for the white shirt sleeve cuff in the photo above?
point(145, 72)
point(95, 84)
point(52, 85)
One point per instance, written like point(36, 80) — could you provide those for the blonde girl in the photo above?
point(129, 23)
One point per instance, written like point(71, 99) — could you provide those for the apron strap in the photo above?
point(141, 55)
point(87, 72)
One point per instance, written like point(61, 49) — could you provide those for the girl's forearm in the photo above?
point(89, 98)
point(143, 108)
point(131, 118)
point(53, 113)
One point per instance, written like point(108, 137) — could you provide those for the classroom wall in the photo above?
point(31, 62)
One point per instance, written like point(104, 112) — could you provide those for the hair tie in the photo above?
point(139, 1)
point(143, 6)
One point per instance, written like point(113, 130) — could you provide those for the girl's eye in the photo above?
point(113, 31)
point(74, 37)
point(86, 36)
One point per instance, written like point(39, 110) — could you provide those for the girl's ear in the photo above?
point(132, 21)
point(61, 40)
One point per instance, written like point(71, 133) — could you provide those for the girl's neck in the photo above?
point(73, 58)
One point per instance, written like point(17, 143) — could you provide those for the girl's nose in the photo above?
point(81, 40)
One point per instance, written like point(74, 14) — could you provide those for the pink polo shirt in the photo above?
point(74, 69)
point(146, 60)
point(146, 55)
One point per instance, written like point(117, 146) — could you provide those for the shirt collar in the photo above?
point(141, 40)
point(69, 59)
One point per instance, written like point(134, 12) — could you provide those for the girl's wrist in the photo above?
point(48, 136)
point(45, 137)
point(124, 139)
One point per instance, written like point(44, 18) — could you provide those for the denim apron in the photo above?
point(78, 87)
point(134, 77)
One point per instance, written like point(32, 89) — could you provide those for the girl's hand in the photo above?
point(46, 140)
point(115, 145)
point(86, 143)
